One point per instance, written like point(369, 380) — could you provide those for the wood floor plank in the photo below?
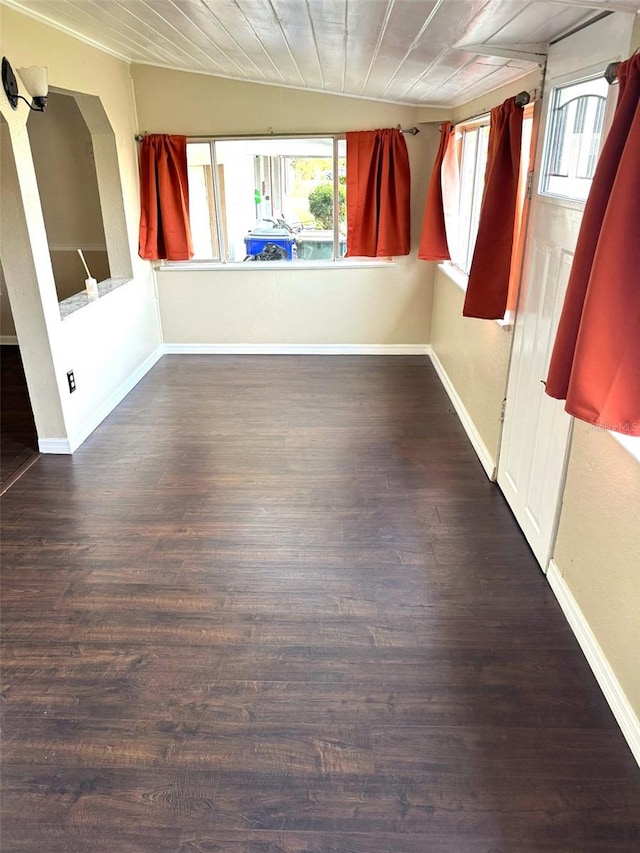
point(273, 605)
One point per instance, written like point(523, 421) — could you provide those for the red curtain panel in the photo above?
point(378, 194)
point(165, 232)
point(595, 365)
point(433, 237)
point(488, 286)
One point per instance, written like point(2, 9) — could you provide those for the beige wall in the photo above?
point(381, 305)
point(598, 547)
point(475, 356)
point(7, 327)
point(106, 342)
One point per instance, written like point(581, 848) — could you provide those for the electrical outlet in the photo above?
point(71, 379)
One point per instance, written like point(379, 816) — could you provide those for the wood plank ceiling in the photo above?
point(404, 51)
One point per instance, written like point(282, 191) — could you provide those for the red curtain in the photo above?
point(165, 232)
point(595, 365)
point(378, 194)
point(488, 286)
point(433, 238)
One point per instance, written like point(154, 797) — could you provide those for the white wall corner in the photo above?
point(484, 455)
point(70, 445)
point(605, 676)
point(297, 349)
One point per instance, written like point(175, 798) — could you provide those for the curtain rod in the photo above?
point(522, 99)
point(272, 135)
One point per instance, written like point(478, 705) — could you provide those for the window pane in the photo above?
point(574, 133)
point(202, 201)
point(277, 198)
point(475, 144)
point(467, 181)
point(478, 189)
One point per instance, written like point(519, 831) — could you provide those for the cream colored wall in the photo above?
point(598, 548)
point(183, 102)
point(7, 327)
point(475, 356)
point(106, 342)
point(383, 305)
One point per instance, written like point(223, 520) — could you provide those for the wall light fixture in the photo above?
point(35, 82)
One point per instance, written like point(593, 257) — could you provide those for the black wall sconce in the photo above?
point(35, 82)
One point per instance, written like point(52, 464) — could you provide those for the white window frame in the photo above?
point(477, 190)
point(545, 175)
point(222, 262)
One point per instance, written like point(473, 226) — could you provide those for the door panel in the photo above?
point(537, 430)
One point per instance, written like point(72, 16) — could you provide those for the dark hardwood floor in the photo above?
point(18, 439)
point(273, 605)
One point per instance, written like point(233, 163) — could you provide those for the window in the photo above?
point(281, 199)
point(575, 125)
point(474, 148)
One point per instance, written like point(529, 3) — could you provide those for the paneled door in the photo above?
point(537, 430)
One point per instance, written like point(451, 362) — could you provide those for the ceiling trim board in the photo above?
point(527, 52)
point(604, 5)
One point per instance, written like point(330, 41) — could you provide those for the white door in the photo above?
point(536, 434)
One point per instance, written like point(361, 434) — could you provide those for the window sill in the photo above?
point(458, 277)
point(81, 300)
point(246, 266)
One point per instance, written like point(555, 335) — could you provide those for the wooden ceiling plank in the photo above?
point(416, 40)
point(257, 18)
point(315, 42)
point(259, 39)
point(143, 19)
point(428, 51)
point(293, 18)
point(537, 22)
point(196, 23)
point(241, 38)
point(381, 35)
point(329, 19)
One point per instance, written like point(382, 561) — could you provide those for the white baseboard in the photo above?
point(485, 457)
point(54, 445)
point(8, 341)
point(70, 445)
point(296, 349)
point(605, 676)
